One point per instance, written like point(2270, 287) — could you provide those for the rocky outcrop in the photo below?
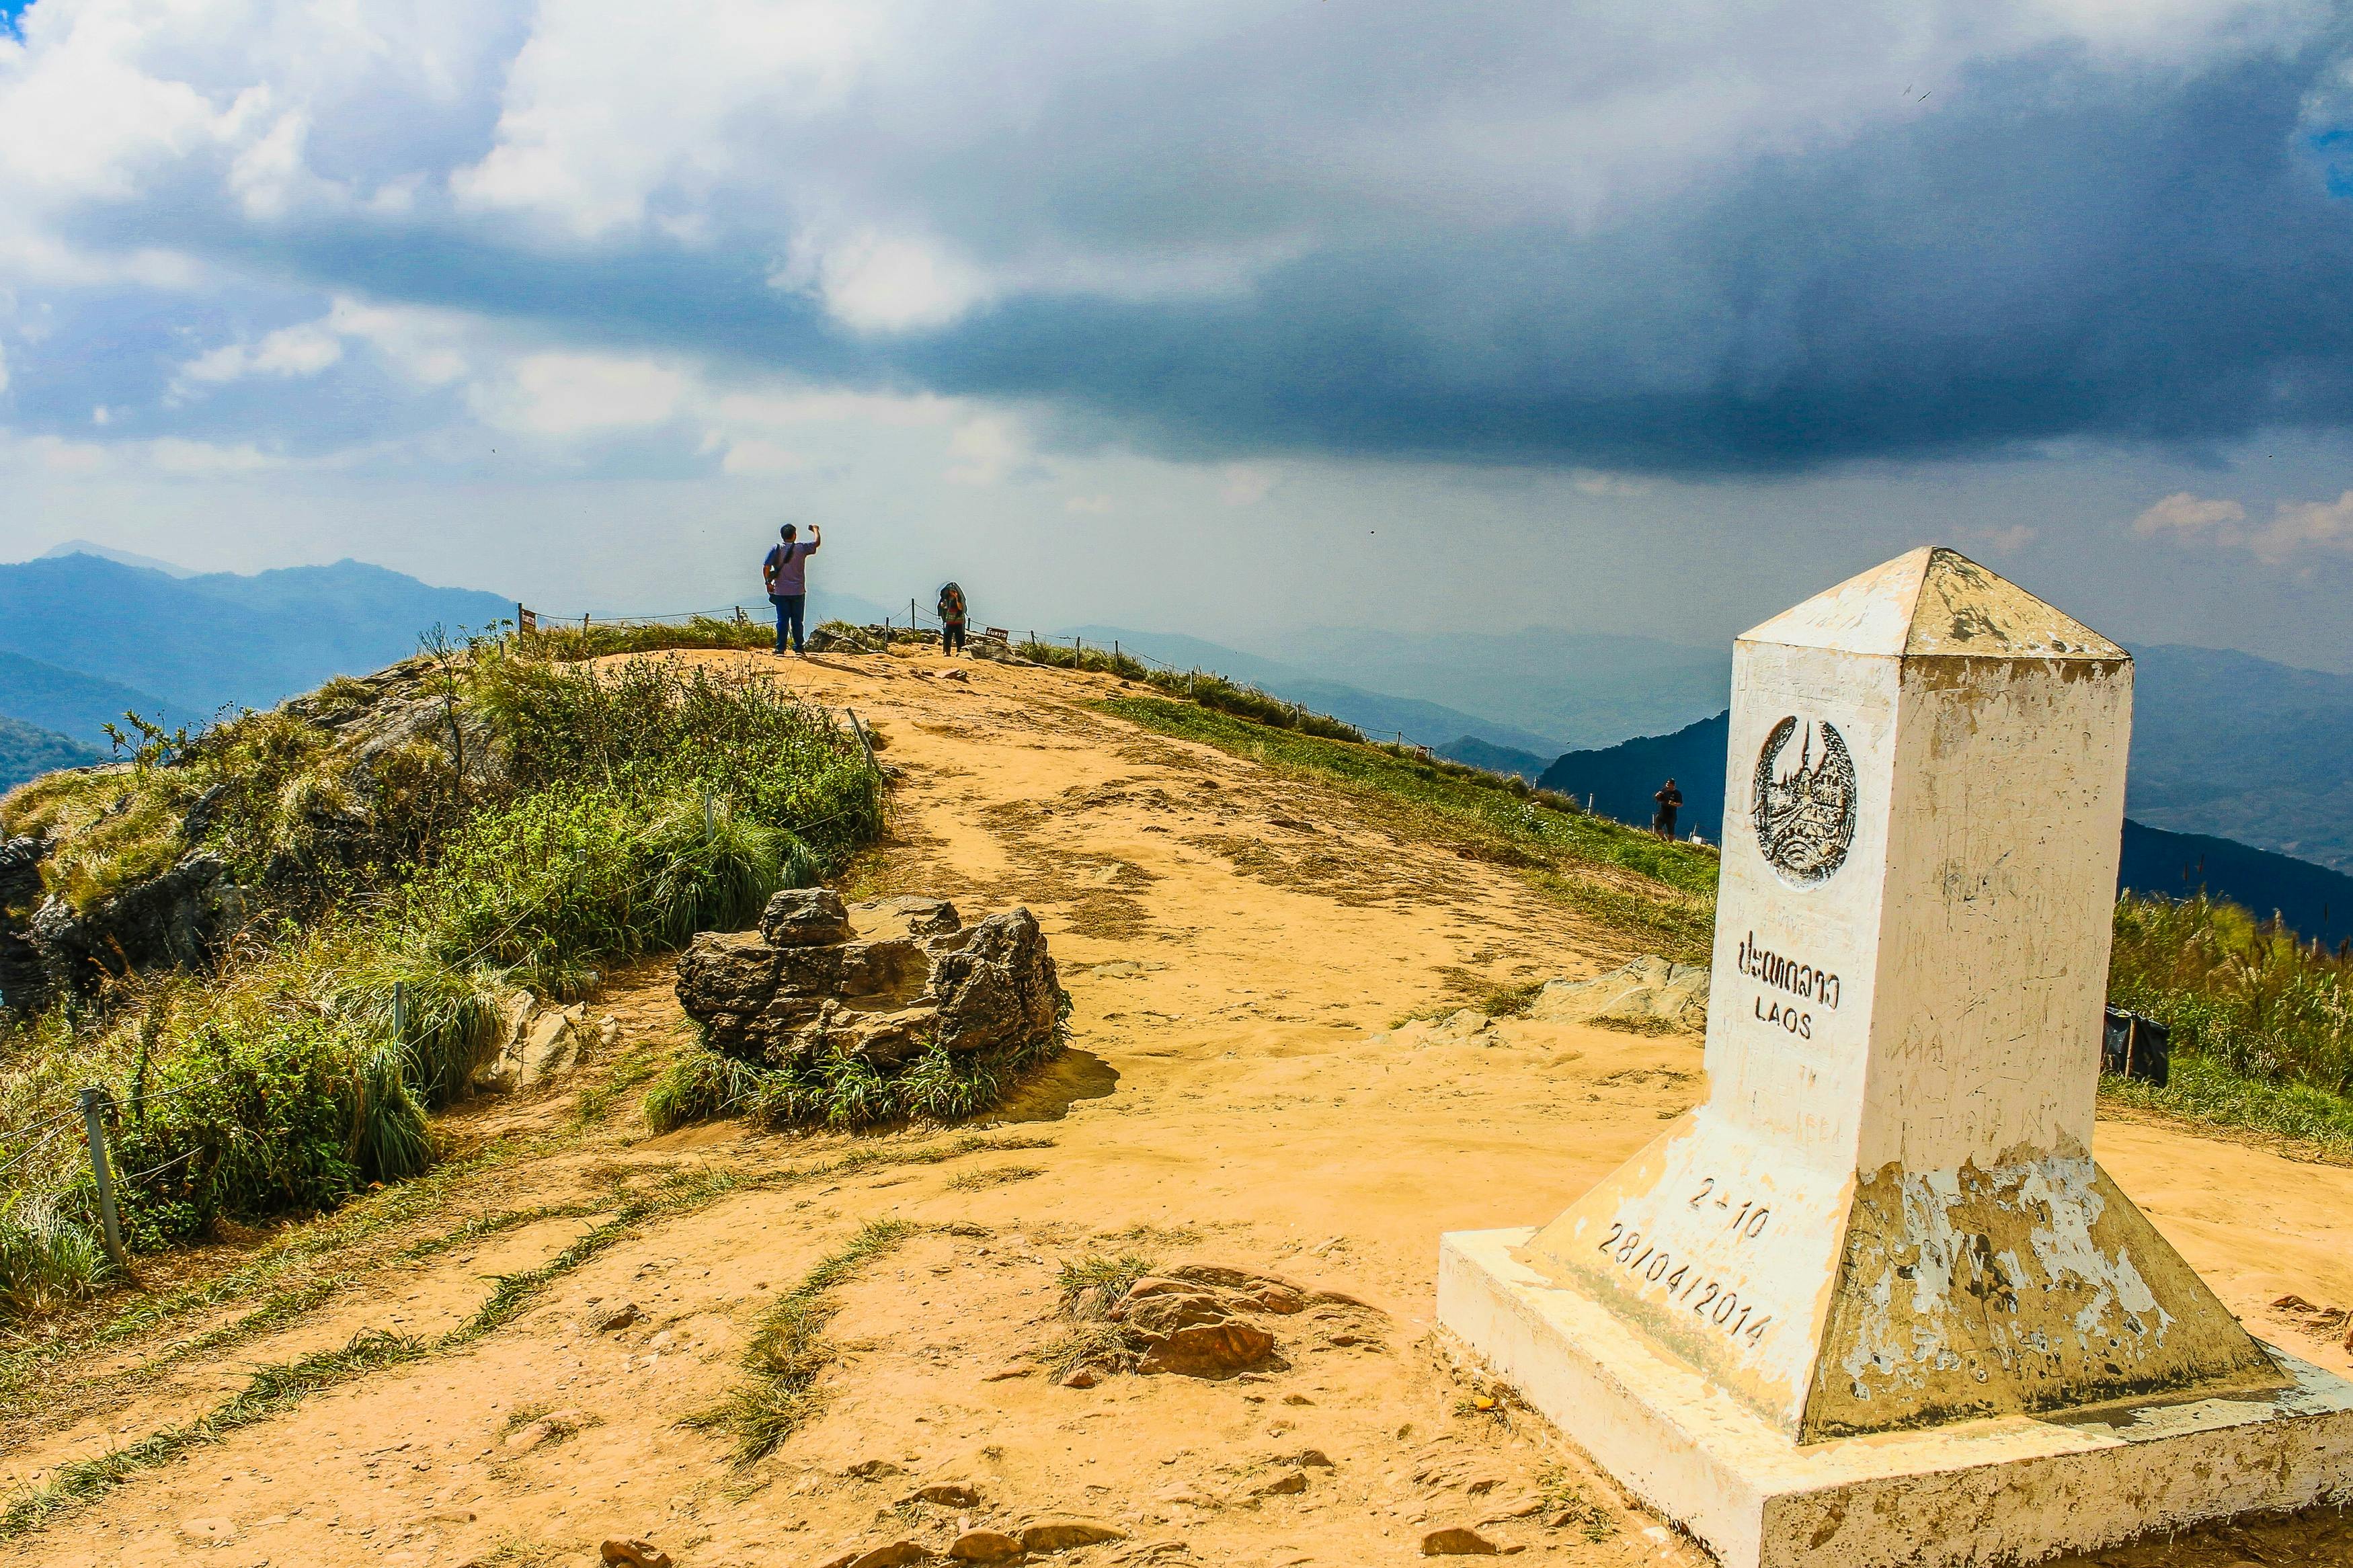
point(536, 1043)
point(181, 918)
point(386, 730)
point(1649, 993)
point(24, 981)
point(807, 985)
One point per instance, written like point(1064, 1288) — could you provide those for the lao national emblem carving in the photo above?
point(1805, 818)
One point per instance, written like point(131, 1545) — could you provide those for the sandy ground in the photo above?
point(1238, 946)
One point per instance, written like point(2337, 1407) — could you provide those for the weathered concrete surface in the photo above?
point(1885, 1217)
point(2005, 1490)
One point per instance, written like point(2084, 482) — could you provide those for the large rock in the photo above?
point(805, 984)
point(1649, 993)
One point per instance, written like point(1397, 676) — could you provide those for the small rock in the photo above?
point(210, 1529)
point(608, 1032)
point(948, 1494)
point(1480, 1486)
point(804, 917)
point(1456, 1541)
point(898, 1553)
point(633, 1553)
point(1003, 1373)
point(1079, 1377)
point(530, 1435)
point(1311, 1459)
point(983, 1546)
point(1297, 1399)
point(1062, 1535)
point(612, 1319)
point(872, 1470)
point(1291, 1485)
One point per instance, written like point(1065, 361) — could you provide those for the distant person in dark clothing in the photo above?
point(1671, 800)
point(951, 619)
point(785, 573)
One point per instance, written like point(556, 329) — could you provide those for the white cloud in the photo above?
point(985, 450)
point(1601, 482)
point(4, 367)
point(569, 393)
point(878, 283)
point(298, 350)
point(755, 454)
point(2297, 528)
point(2008, 540)
point(2185, 516)
point(203, 459)
point(1244, 484)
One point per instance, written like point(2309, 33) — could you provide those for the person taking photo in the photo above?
point(785, 575)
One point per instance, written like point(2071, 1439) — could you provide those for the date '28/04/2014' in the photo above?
point(1688, 1285)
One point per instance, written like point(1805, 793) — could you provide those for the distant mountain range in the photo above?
point(2224, 743)
point(2229, 751)
point(79, 705)
point(202, 642)
point(2316, 900)
point(2230, 745)
point(1381, 714)
point(1571, 689)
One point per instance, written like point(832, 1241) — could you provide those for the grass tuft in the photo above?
point(789, 1351)
point(1088, 1288)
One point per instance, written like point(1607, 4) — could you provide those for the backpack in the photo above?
point(951, 602)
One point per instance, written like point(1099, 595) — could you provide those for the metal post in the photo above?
point(400, 1012)
point(710, 817)
point(92, 1098)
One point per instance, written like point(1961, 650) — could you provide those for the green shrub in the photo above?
point(1210, 690)
point(2245, 994)
point(265, 1111)
point(700, 1085)
point(636, 808)
point(562, 640)
point(47, 1261)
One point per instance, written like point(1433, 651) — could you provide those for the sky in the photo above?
point(1198, 315)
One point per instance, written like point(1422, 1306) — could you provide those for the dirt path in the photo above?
point(1238, 946)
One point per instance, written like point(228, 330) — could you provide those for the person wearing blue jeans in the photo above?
point(785, 573)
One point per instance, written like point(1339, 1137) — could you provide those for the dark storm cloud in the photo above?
point(2068, 244)
point(2065, 254)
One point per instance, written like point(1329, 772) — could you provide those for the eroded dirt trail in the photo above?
point(1238, 946)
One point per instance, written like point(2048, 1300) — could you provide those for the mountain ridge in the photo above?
point(2316, 900)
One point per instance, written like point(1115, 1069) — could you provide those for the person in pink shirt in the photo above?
point(785, 573)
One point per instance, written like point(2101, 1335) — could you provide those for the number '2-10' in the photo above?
point(1755, 1217)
